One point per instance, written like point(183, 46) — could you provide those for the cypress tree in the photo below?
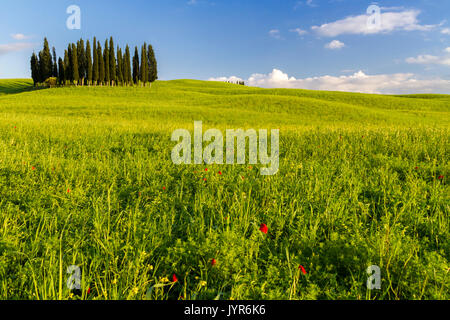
point(82, 66)
point(47, 55)
point(95, 63)
point(88, 62)
point(119, 66)
point(101, 64)
point(107, 66)
point(124, 68)
point(61, 76)
point(78, 54)
point(67, 72)
point(152, 65)
point(40, 67)
point(55, 64)
point(45, 62)
point(127, 65)
point(112, 62)
point(75, 68)
point(71, 55)
point(136, 66)
point(34, 69)
point(143, 70)
point(69, 50)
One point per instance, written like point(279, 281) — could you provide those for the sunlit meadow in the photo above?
point(86, 179)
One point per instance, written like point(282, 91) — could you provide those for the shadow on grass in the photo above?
point(17, 86)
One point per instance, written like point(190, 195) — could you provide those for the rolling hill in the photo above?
point(86, 179)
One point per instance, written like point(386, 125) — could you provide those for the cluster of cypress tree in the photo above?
point(242, 83)
point(82, 65)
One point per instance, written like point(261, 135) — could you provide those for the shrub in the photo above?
point(51, 82)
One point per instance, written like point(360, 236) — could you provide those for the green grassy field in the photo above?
point(86, 179)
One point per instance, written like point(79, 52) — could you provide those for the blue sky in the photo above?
point(322, 44)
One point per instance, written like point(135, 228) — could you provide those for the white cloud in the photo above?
point(19, 36)
point(430, 59)
point(226, 79)
point(309, 3)
point(427, 59)
point(275, 33)
point(335, 45)
point(398, 8)
point(399, 83)
point(389, 21)
point(445, 31)
point(13, 47)
point(299, 31)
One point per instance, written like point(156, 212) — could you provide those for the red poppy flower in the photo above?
point(33, 168)
point(441, 177)
point(205, 179)
point(174, 278)
point(220, 172)
point(263, 228)
point(164, 188)
point(213, 262)
point(88, 290)
point(302, 269)
point(206, 169)
point(68, 190)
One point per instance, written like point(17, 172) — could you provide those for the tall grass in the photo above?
point(86, 179)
